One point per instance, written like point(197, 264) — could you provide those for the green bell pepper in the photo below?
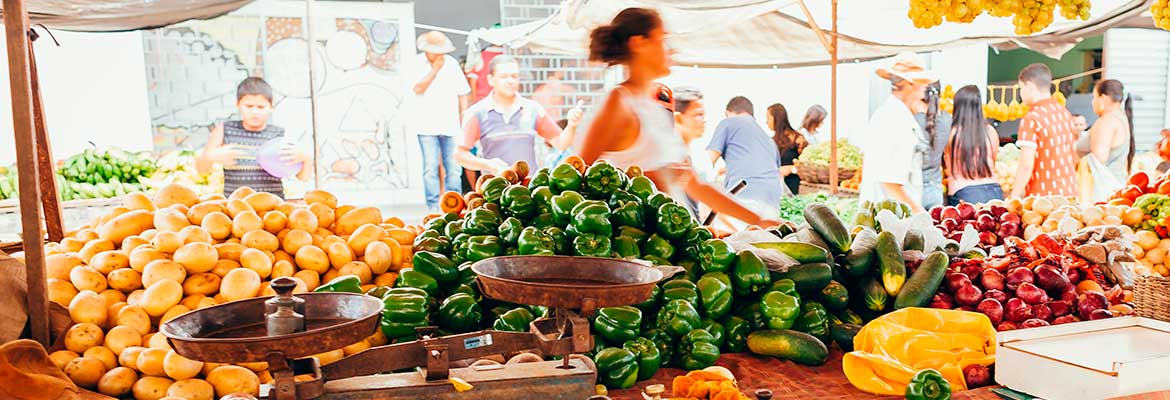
point(928, 384)
point(559, 239)
point(786, 286)
point(633, 233)
point(813, 320)
point(621, 197)
point(453, 228)
point(402, 312)
point(780, 310)
point(564, 177)
point(716, 330)
point(431, 233)
point(693, 239)
point(515, 320)
point(627, 214)
point(690, 269)
point(649, 359)
point(435, 224)
point(517, 201)
point(440, 245)
point(592, 218)
point(378, 291)
point(408, 277)
point(715, 255)
point(483, 247)
point(715, 296)
point(674, 221)
point(677, 317)
point(341, 284)
point(625, 247)
point(542, 197)
point(493, 188)
point(736, 331)
point(468, 290)
point(651, 205)
point(722, 277)
point(617, 368)
point(539, 180)
point(592, 245)
point(650, 304)
point(617, 324)
point(460, 313)
point(510, 230)
point(438, 266)
point(601, 179)
point(480, 221)
point(642, 187)
point(664, 342)
point(749, 276)
point(459, 248)
point(680, 289)
point(697, 350)
point(543, 220)
point(533, 241)
point(657, 246)
point(562, 206)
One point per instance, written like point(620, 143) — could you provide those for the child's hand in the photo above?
point(225, 155)
point(290, 155)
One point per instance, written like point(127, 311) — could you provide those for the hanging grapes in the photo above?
point(1028, 16)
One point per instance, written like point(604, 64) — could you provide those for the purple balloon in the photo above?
point(268, 156)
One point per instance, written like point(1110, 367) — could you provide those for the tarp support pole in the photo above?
point(312, 89)
point(51, 204)
point(20, 78)
point(833, 104)
point(817, 29)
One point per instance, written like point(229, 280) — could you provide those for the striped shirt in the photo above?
point(247, 171)
point(1049, 128)
point(508, 134)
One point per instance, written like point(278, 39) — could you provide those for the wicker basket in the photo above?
point(1151, 298)
point(814, 173)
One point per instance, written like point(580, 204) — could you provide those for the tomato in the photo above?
point(1139, 179)
point(1119, 201)
point(1131, 192)
point(1164, 187)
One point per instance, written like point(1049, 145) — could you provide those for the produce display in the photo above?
point(792, 208)
point(1057, 214)
point(1029, 16)
point(994, 223)
point(1006, 161)
point(179, 167)
point(853, 183)
point(93, 174)
point(848, 155)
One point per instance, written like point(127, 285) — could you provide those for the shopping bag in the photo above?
point(1095, 182)
point(889, 350)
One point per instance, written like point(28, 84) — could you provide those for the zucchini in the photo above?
point(914, 240)
point(875, 295)
point(809, 278)
point(826, 223)
point(890, 262)
point(859, 260)
point(807, 235)
point(921, 286)
point(843, 334)
point(834, 296)
point(799, 347)
point(803, 253)
point(847, 316)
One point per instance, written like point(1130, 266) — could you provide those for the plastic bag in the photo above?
point(932, 237)
point(775, 260)
point(889, 350)
point(1096, 182)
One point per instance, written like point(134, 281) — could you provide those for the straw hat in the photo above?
point(435, 42)
point(907, 66)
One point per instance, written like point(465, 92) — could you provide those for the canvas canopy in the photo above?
point(123, 15)
point(777, 33)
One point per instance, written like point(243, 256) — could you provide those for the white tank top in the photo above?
point(657, 145)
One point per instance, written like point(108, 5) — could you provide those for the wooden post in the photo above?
point(45, 169)
point(833, 107)
point(312, 89)
point(20, 78)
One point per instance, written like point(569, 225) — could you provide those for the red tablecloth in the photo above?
point(785, 379)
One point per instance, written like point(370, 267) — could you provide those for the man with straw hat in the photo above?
point(441, 92)
point(895, 146)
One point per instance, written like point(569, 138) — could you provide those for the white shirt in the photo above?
point(889, 154)
point(436, 110)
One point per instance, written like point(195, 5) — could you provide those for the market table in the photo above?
point(785, 379)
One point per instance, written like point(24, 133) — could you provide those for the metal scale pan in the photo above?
point(575, 283)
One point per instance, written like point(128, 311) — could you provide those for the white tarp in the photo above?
point(766, 33)
point(123, 15)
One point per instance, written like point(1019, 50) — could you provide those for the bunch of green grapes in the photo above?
point(928, 13)
point(1161, 12)
point(1073, 9)
point(1033, 16)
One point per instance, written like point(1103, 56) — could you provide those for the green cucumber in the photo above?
point(799, 347)
point(834, 296)
point(807, 235)
point(826, 223)
point(875, 295)
point(803, 253)
point(809, 278)
point(890, 262)
point(843, 334)
point(859, 260)
point(920, 288)
point(914, 240)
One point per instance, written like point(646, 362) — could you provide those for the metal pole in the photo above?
point(833, 106)
point(20, 82)
point(312, 89)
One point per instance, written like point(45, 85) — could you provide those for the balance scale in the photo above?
point(285, 330)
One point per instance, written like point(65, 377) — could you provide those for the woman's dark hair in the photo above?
point(1116, 92)
point(685, 97)
point(967, 150)
point(931, 99)
point(610, 43)
point(785, 137)
point(813, 118)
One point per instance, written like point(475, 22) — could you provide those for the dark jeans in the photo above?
point(977, 194)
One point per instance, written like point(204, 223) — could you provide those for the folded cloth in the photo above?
point(27, 373)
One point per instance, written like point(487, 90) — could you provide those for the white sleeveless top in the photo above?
point(657, 145)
